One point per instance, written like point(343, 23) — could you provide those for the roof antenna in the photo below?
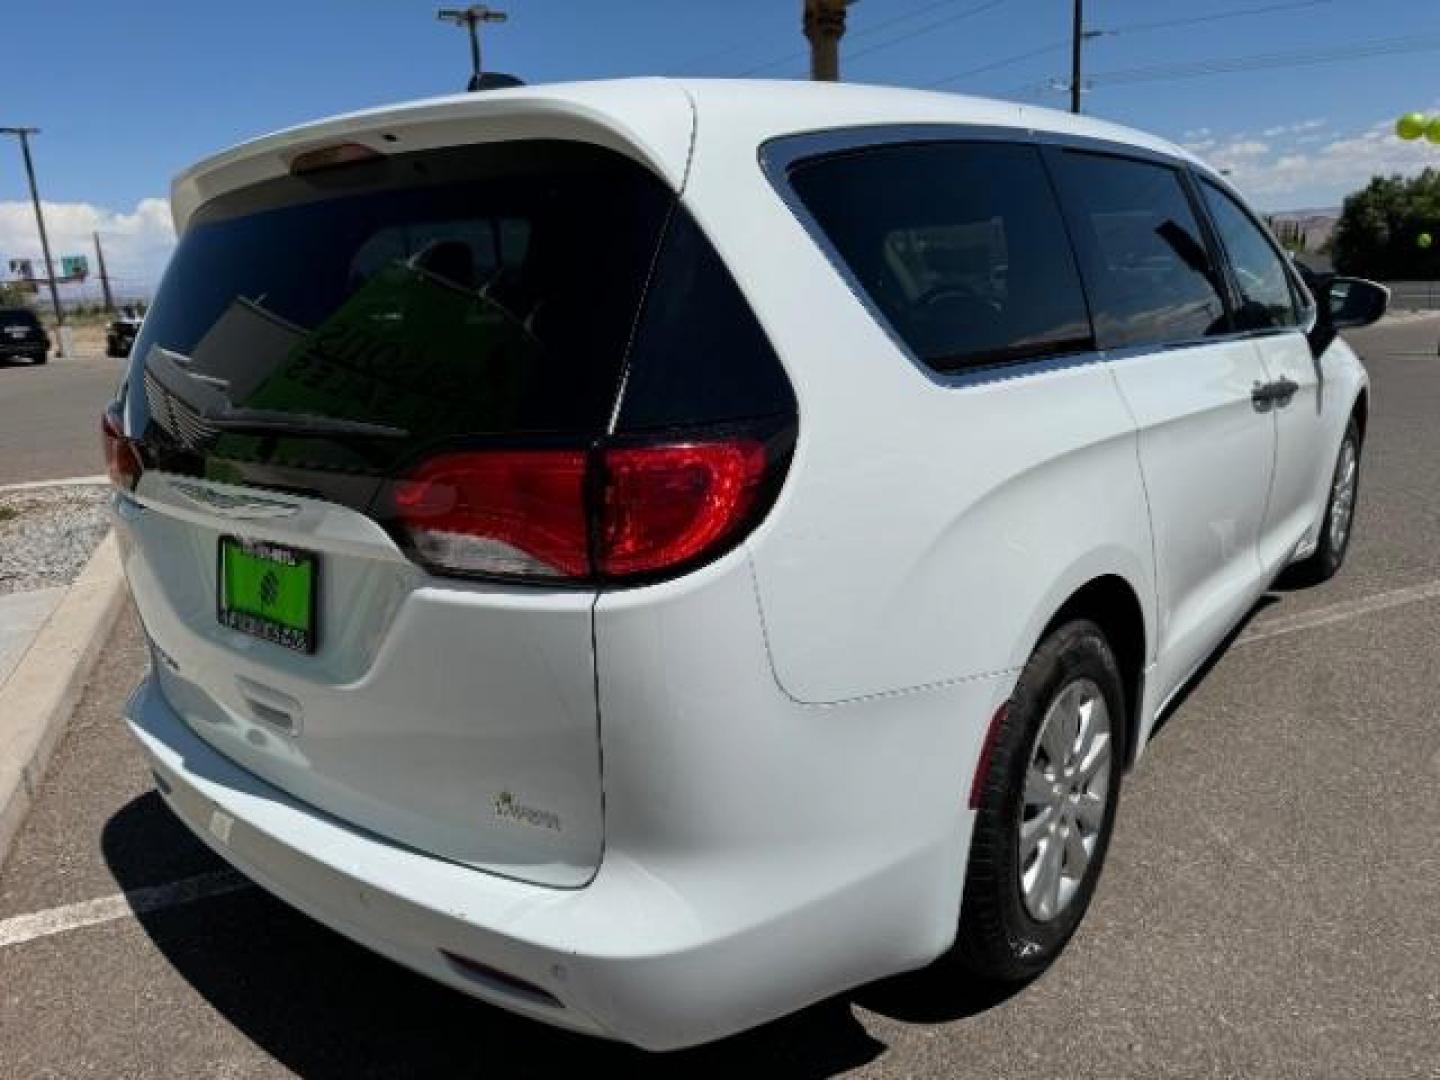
point(471, 17)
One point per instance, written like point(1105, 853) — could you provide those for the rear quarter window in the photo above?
point(960, 246)
point(700, 356)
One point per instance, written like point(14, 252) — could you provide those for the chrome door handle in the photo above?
point(1277, 393)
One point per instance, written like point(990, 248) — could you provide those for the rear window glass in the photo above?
point(960, 245)
point(1149, 274)
point(489, 290)
point(18, 316)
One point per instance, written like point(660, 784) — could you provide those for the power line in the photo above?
point(1263, 61)
point(979, 9)
point(860, 32)
point(856, 54)
point(1134, 28)
point(994, 65)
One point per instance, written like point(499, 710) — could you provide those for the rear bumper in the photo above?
point(409, 907)
point(630, 956)
point(27, 351)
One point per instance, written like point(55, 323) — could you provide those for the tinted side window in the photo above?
point(1148, 272)
point(1266, 301)
point(699, 356)
point(960, 245)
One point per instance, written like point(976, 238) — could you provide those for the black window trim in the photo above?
point(778, 156)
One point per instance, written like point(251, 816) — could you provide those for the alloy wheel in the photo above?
point(1067, 790)
point(1342, 495)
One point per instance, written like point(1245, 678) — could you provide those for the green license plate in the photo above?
point(269, 591)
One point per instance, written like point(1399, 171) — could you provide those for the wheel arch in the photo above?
point(1361, 411)
point(1113, 603)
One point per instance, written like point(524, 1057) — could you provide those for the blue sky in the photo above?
point(128, 93)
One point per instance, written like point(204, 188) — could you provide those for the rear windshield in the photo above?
point(13, 316)
point(487, 290)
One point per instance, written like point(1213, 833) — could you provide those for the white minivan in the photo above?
point(655, 554)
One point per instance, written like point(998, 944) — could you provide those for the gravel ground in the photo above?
point(47, 534)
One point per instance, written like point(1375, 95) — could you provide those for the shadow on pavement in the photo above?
point(326, 1007)
point(1222, 650)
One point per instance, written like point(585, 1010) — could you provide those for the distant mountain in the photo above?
point(1314, 226)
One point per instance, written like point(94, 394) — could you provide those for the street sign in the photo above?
point(23, 269)
point(74, 267)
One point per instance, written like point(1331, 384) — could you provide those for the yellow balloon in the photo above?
point(1411, 126)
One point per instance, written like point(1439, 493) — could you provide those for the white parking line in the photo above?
point(1344, 611)
point(41, 924)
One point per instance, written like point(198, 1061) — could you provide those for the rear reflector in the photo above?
point(122, 458)
point(987, 754)
point(577, 515)
point(500, 982)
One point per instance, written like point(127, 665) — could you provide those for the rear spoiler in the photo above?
point(649, 120)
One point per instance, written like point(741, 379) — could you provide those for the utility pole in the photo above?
point(824, 24)
point(471, 18)
point(24, 133)
point(1077, 39)
point(104, 277)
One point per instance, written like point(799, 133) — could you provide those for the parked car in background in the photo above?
point(120, 334)
point(22, 337)
point(672, 551)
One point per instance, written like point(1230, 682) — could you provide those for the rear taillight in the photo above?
point(122, 457)
point(664, 506)
point(614, 513)
point(511, 512)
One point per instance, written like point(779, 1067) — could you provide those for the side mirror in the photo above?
point(1349, 303)
point(1343, 303)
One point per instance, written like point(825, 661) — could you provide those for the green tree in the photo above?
point(1379, 229)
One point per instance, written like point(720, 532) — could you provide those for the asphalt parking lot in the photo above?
point(1271, 905)
point(50, 416)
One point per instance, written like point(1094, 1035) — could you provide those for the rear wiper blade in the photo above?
point(269, 422)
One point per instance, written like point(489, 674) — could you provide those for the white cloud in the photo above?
point(137, 242)
point(1247, 148)
point(1302, 167)
point(1299, 128)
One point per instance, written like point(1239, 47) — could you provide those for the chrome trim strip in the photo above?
point(229, 505)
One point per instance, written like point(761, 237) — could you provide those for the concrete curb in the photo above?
point(69, 481)
point(41, 693)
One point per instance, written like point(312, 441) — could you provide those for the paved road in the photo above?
point(1271, 906)
point(50, 417)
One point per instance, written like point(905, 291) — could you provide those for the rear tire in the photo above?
point(1047, 808)
point(1339, 523)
